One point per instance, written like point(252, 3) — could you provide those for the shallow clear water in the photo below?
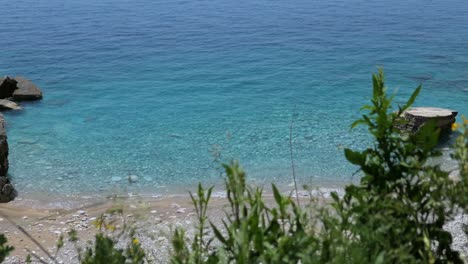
point(153, 88)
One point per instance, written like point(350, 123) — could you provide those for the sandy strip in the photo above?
point(154, 218)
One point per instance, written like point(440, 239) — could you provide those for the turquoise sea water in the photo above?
point(153, 88)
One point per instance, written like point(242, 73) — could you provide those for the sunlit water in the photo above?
point(158, 89)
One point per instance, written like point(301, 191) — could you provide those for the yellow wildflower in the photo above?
point(454, 126)
point(135, 241)
point(465, 121)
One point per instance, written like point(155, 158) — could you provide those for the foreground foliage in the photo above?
point(395, 215)
point(4, 248)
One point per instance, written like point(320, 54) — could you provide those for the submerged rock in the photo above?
point(7, 87)
point(116, 179)
point(418, 116)
point(7, 192)
point(26, 90)
point(8, 105)
point(132, 178)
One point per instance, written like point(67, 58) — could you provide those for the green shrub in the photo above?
point(395, 215)
point(104, 250)
point(4, 248)
point(399, 209)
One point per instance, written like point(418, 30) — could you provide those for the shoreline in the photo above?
point(47, 201)
point(154, 218)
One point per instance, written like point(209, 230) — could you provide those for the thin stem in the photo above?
point(292, 156)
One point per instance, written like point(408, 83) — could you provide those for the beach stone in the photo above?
point(132, 178)
point(8, 105)
point(418, 116)
point(7, 87)
point(26, 91)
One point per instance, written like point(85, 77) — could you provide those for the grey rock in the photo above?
point(418, 116)
point(7, 192)
point(26, 90)
point(132, 178)
point(7, 87)
point(8, 105)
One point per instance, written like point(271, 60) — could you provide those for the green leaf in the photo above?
point(276, 194)
point(380, 258)
point(334, 196)
point(427, 136)
point(357, 122)
point(354, 157)
point(218, 234)
point(413, 96)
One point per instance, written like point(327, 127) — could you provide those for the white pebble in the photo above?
point(132, 178)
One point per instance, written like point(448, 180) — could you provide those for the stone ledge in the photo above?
point(418, 116)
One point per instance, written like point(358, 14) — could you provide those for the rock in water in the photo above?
point(132, 178)
point(8, 105)
point(26, 90)
point(7, 87)
point(418, 116)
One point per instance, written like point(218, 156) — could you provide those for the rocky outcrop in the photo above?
point(7, 192)
point(26, 91)
point(19, 89)
point(3, 148)
point(7, 87)
point(418, 116)
point(16, 89)
point(8, 105)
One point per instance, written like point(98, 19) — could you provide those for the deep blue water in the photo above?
point(152, 88)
